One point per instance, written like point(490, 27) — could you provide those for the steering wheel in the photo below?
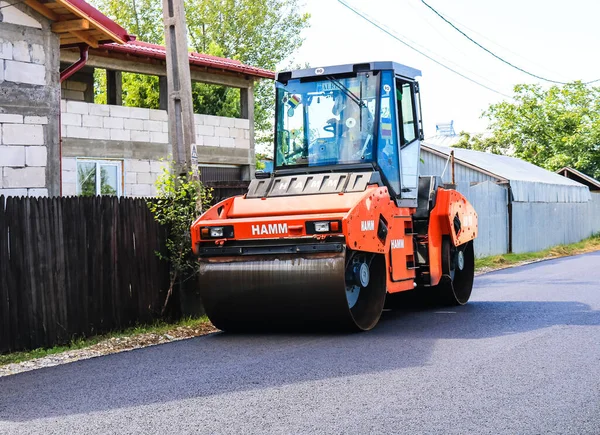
point(331, 126)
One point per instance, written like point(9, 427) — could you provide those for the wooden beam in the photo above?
point(84, 37)
point(42, 9)
point(69, 26)
point(76, 11)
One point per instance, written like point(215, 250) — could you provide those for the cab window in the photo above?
point(406, 109)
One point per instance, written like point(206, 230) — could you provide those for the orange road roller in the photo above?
point(344, 220)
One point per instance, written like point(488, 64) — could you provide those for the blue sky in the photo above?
point(556, 39)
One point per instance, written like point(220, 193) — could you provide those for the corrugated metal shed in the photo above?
point(528, 182)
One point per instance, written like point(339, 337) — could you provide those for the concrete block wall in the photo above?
point(29, 92)
point(106, 122)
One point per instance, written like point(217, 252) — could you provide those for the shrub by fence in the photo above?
point(76, 266)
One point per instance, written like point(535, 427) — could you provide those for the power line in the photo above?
point(373, 22)
point(494, 54)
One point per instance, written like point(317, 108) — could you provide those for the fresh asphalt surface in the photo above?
point(523, 357)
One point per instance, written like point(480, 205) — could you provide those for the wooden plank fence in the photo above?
point(72, 267)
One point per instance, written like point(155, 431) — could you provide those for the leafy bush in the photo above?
point(179, 201)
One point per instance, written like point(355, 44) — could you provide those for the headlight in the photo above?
point(216, 232)
point(225, 232)
point(321, 227)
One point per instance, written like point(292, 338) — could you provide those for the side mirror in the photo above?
point(260, 174)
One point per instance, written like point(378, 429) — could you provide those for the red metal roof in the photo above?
point(114, 32)
point(154, 51)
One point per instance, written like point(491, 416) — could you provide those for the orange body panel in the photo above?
point(360, 213)
point(449, 203)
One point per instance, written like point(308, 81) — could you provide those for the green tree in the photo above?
point(554, 127)
point(261, 33)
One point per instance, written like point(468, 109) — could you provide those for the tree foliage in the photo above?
point(261, 33)
point(552, 128)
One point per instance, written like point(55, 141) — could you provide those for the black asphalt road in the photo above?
point(522, 358)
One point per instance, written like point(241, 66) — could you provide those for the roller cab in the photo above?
point(344, 219)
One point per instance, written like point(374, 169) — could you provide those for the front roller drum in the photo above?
point(300, 292)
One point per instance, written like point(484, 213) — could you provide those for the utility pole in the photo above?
point(182, 134)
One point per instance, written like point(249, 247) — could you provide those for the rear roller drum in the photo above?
point(458, 268)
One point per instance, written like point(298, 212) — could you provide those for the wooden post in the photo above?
point(247, 112)
point(114, 87)
point(182, 133)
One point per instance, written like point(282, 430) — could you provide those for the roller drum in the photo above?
point(286, 292)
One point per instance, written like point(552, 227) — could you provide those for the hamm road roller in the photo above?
point(344, 220)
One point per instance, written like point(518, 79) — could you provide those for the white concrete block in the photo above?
point(198, 119)
point(139, 113)
point(131, 177)
point(135, 165)
point(205, 130)
point(236, 133)
point(157, 166)
point(140, 136)
point(145, 178)
point(37, 192)
point(38, 54)
point(74, 131)
point(111, 122)
point(222, 131)
point(69, 189)
point(69, 177)
point(22, 134)
point(78, 107)
point(21, 72)
point(12, 156)
point(119, 111)
point(99, 109)
point(247, 134)
point(120, 134)
point(210, 141)
point(99, 133)
point(242, 143)
point(211, 120)
point(16, 16)
point(11, 118)
point(159, 137)
point(36, 156)
point(24, 177)
point(21, 51)
point(199, 140)
point(153, 126)
point(241, 123)
point(91, 120)
point(1, 70)
point(158, 115)
point(63, 105)
point(226, 142)
point(69, 164)
point(165, 127)
point(67, 118)
point(227, 122)
point(41, 120)
point(142, 190)
point(133, 124)
point(6, 50)
point(13, 192)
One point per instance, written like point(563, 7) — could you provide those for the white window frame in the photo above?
point(101, 162)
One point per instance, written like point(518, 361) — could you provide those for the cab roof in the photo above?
point(399, 69)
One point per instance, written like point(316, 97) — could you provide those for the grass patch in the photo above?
point(499, 261)
point(158, 327)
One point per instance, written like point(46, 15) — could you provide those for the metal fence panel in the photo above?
point(490, 201)
point(539, 225)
